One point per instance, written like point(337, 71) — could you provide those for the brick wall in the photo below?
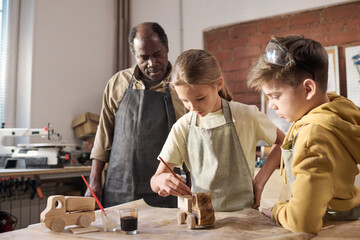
point(238, 46)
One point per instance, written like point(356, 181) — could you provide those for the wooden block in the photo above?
point(84, 220)
point(185, 203)
point(79, 203)
point(190, 221)
point(57, 225)
point(203, 209)
point(55, 205)
point(78, 230)
point(181, 216)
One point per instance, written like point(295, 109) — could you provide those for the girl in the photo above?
point(216, 140)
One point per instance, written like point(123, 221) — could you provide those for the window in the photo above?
point(4, 10)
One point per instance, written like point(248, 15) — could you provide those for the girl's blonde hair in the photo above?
point(198, 67)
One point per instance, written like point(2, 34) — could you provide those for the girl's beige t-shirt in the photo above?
point(251, 126)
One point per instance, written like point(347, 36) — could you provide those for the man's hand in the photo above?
point(258, 188)
point(97, 189)
point(96, 179)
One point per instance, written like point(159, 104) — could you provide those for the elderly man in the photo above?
point(138, 109)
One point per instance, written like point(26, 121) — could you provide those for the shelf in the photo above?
point(52, 173)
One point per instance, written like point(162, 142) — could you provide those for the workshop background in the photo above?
point(65, 51)
point(62, 53)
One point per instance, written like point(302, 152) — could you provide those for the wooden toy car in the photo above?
point(62, 211)
point(196, 209)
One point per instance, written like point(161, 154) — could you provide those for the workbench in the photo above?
point(161, 223)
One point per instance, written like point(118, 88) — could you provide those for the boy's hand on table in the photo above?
point(266, 211)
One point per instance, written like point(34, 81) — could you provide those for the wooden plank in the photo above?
point(79, 203)
point(78, 230)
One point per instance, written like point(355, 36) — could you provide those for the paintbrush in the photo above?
point(94, 195)
point(173, 173)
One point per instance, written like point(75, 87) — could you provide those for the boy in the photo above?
point(321, 149)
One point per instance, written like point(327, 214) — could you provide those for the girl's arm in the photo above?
point(165, 183)
point(271, 163)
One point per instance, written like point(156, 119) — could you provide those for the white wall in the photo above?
point(166, 13)
point(67, 54)
point(199, 15)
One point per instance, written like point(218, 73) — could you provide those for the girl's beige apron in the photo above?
point(218, 164)
point(288, 150)
point(143, 121)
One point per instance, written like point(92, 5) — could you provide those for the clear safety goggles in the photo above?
point(277, 55)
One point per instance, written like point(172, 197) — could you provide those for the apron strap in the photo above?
point(131, 82)
point(226, 110)
point(169, 108)
point(296, 135)
point(188, 175)
point(192, 121)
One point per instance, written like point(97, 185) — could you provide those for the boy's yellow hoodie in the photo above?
point(326, 158)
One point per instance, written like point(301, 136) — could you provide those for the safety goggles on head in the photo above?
point(277, 55)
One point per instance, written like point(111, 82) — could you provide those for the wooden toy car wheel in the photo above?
point(190, 220)
point(181, 216)
point(84, 221)
point(58, 225)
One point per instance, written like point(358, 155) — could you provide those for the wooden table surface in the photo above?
point(161, 223)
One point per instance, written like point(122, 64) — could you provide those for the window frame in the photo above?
point(10, 67)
